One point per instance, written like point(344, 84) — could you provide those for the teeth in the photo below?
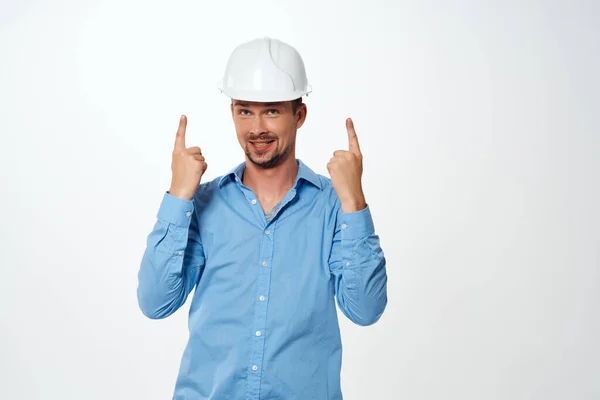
point(261, 144)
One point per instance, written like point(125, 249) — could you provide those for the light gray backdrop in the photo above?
point(479, 123)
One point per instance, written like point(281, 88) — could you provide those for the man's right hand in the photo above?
point(187, 167)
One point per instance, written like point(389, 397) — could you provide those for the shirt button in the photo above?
point(187, 214)
point(253, 201)
point(344, 226)
point(254, 368)
point(237, 179)
point(264, 264)
point(347, 263)
point(258, 333)
point(267, 231)
point(262, 298)
point(180, 252)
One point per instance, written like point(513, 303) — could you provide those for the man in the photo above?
point(267, 247)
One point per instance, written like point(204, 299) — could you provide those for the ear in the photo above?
point(301, 115)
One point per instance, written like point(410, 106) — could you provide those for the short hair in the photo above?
point(296, 103)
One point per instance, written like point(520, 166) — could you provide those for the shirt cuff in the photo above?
point(175, 211)
point(357, 225)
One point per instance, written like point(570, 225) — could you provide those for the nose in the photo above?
point(258, 126)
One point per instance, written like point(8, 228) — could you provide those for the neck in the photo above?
point(271, 183)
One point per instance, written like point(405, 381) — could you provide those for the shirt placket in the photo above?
point(259, 333)
point(263, 286)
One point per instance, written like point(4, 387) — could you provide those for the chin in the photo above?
point(269, 159)
point(266, 163)
point(265, 160)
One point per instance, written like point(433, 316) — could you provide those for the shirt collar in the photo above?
point(304, 172)
point(235, 172)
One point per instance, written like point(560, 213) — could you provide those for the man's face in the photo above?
point(267, 131)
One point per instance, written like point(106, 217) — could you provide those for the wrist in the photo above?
point(354, 204)
point(180, 194)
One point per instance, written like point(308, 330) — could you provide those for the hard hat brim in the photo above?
point(264, 96)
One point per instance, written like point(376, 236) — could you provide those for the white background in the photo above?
point(479, 124)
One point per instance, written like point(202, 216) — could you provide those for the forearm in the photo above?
point(361, 285)
point(362, 291)
point(171, 261)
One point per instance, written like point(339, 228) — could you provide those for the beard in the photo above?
point(276, 158)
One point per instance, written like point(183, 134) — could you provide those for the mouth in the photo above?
point(262, 145)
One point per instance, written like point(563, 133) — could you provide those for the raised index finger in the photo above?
point(180, 137)
point(353, 145)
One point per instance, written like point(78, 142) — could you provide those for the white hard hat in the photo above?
point(265, 70)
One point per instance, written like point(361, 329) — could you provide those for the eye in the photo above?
point(242, 111)
point(274, 110)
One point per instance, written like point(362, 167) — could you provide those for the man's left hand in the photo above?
point(345, 168)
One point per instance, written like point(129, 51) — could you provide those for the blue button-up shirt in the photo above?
point(262, 321)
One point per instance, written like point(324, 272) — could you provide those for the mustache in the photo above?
point(265, 138)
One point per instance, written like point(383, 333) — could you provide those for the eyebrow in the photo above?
point(243, 104)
